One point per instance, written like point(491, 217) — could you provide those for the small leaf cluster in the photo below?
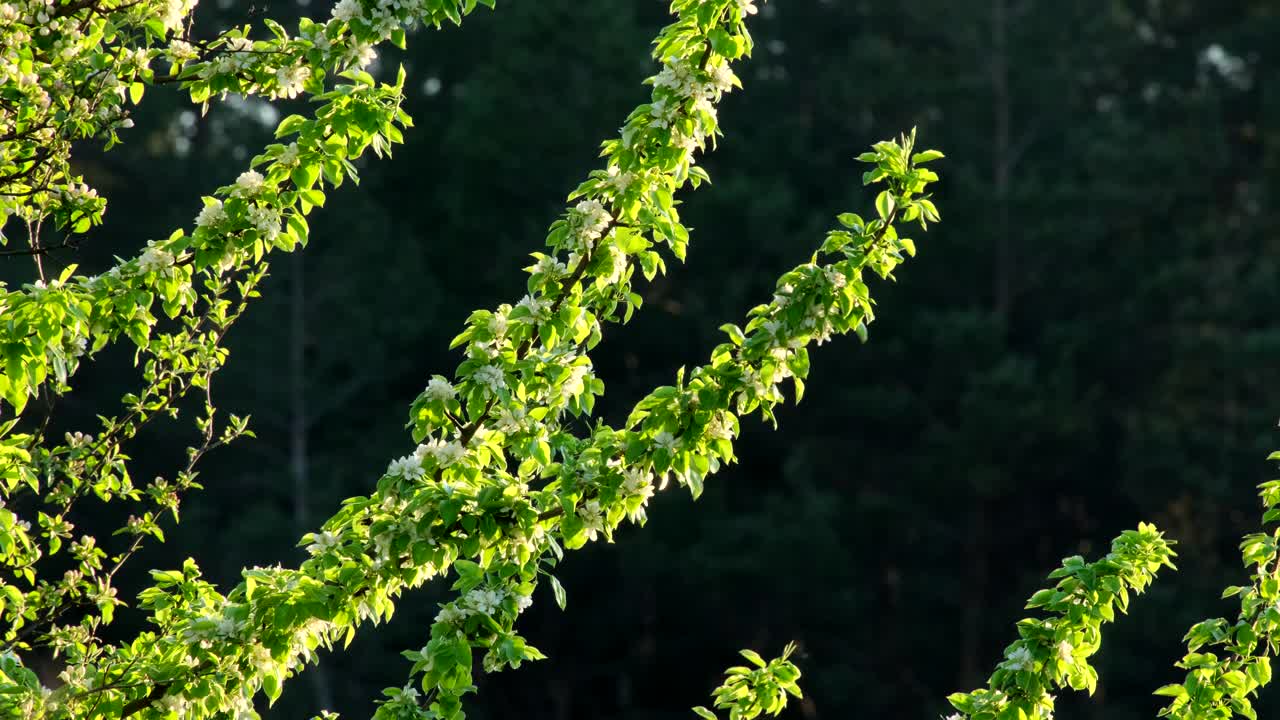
point(749, 691)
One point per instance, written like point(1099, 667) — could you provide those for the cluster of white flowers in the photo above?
point(322, 541)
point(226, 626)
point(620, 180)
point(77, 440)
point(510, 420)
point(637, 481)
point(176, 704)
point(588, 220)
point(249, 183)
point(360, 55)
point(439, 389)
point(175, 11)
point(719, 428)
point(155, 258)
point(407, 467)
point(490, 377)
point(445, 453)
point(289, 156)
point(289, 80)
point(181, 51)
point(549, 266)
point(665, 441)
point(1018, 659)
point(1066, 653)
point(575, 383)
point(347, 10)
point(267, 221)
point(592, 518)
point(537, 307)
point(211, 214)
point(663, 112)
point(485, 601)
point(617, 265)
point(480, 600)
point(78, 193)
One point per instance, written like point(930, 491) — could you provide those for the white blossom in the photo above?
point(154, 258)
point(663, 112)
point(665, 441)
point(719, 428)
point(589, 220)
point(451, 614)
point(440, 389)
point(360, 55)
point(181, 51)
point(174, 12)
point(484, 600)
point(445, 453)
point(620, 180)
point(575, 384)
point(321, 542)
point(721, 77)
point(347, 10)
point(510, 421)
point(407, 467)
point(289, 156)
point(592, 518)
point(174, 704)
point(537, 307)
point(748, 7)
point(267, 221)
point(1066, 653)
point(249, 183)
point(490, 377)
point(498, 322)
point(1019, 659)
point(548, 265)
point(290, 80)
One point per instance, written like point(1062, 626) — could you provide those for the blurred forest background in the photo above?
point(1089, 339)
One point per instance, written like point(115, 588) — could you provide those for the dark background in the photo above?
point(1088, 340)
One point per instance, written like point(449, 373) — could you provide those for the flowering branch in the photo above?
point(1053, 652)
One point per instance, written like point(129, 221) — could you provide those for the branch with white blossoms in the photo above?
point(228, 246)
point(179, 361)
point(272, 607)
point(1228, 663)
point(51, 326)
point(285, 66)
point(68, 69)
point(685, 431)
point(1053, 652)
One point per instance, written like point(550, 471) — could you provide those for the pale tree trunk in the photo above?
point(299, 422)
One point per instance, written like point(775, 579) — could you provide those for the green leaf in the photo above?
point(723, 43)
point(562, 598)
point(754, 657)
point(885, 204)
point(921, 158)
